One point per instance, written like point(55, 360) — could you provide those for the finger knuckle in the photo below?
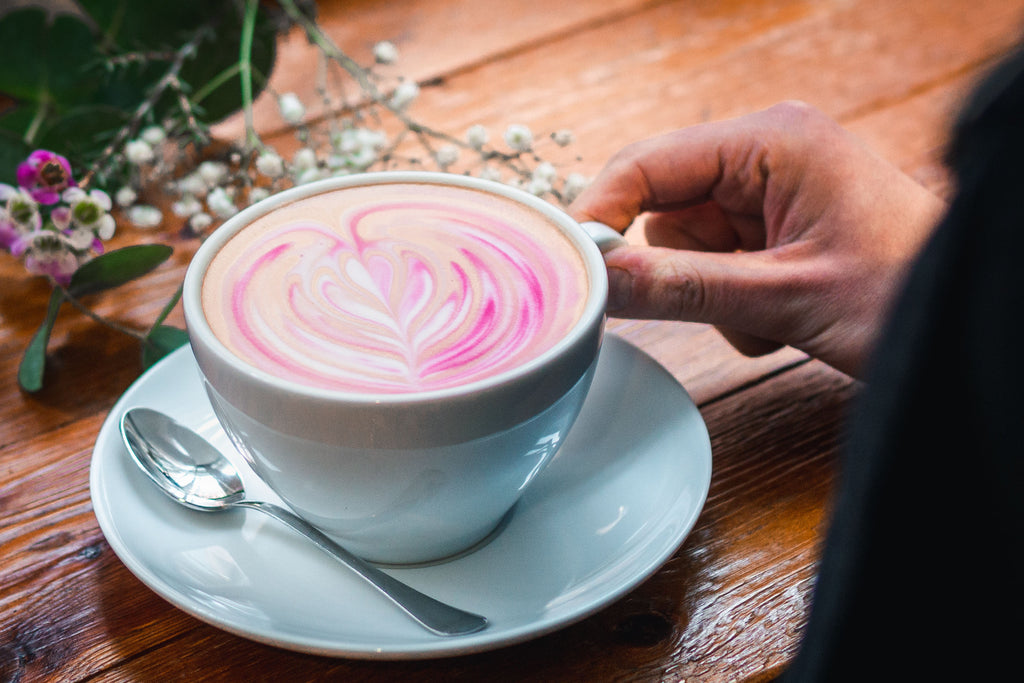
point(684, 292)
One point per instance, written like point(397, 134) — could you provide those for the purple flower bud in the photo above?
point(45, 175)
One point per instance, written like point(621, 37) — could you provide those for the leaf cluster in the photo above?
point(71, 79)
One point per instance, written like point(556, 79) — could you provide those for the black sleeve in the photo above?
point(921, 573)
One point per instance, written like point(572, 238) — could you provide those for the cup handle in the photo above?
point(605, 237)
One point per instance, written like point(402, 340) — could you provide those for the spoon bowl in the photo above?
point(194, 473)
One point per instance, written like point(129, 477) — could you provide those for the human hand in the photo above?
point(780, 228)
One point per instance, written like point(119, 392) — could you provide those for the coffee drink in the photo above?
point(395, 288)
point(397, 355)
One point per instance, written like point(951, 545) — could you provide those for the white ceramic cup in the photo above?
point(404, 478)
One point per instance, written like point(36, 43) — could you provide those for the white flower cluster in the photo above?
point(143, 155)
point(543, 179)
point(216, 190)
point(291, 108)
point(385, 52)
point(355, 149)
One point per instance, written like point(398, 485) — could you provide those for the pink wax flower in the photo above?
point(45, 175)
point(9, 235)
point(59, 265)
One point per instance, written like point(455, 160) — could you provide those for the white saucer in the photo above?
point(613, 506)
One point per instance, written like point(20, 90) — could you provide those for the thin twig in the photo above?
point(129, 58)
point(361, 75)
point(166, 81)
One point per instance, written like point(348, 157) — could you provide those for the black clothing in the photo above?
point(921, 575)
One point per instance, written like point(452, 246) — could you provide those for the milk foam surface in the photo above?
point(394, 288)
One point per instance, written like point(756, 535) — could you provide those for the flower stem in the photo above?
point(85, 310)
point(37, 120)
point(215, 82)
point(245, 70)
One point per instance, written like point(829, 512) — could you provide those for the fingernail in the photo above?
point(620, 288)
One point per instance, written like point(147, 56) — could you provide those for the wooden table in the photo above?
point(731, 603)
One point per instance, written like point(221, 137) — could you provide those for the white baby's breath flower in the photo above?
point(447, 155)
point(304, 160)
point(257, 194)
point(200, 221)
point(291, 107)
point(563, 138)
point(490, 173)
point(519, 137)
point(375, 139)
point(154, 135)
point(517, 181)
point(575, 183)
point(270, 165)
point(538, 186)
point(192, 184)
point(186, 206)
point(138, 152)
point(361, 159)
point(221, 203)
point(145, 216)
point(336, 162)
point(212, 172)
point(545, 171)
point(385, 52)
point(355, 148)
point(477, 136)
point(308, 175)
point(350, 140)
point(125, 196)
point(404, 94)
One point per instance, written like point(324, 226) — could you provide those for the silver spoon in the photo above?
point(191, 471)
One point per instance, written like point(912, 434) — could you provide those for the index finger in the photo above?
point(662, 173)
point(726, 161)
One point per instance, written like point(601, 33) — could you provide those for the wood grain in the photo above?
point(730, 605)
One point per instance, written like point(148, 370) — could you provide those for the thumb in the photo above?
point(753, 295)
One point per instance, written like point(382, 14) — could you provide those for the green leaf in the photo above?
point(55, 58)
point(160, 341)
point(221, 53)
point(81, 133)
point(21, 35)
point(13, 151)
point(133, 25)
point(117, 267)
point(61, 97)
point(33, 363)
point(71, 61)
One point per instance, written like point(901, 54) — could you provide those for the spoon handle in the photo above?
point(434, 615)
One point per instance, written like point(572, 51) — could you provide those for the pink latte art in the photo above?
point(394, 288)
